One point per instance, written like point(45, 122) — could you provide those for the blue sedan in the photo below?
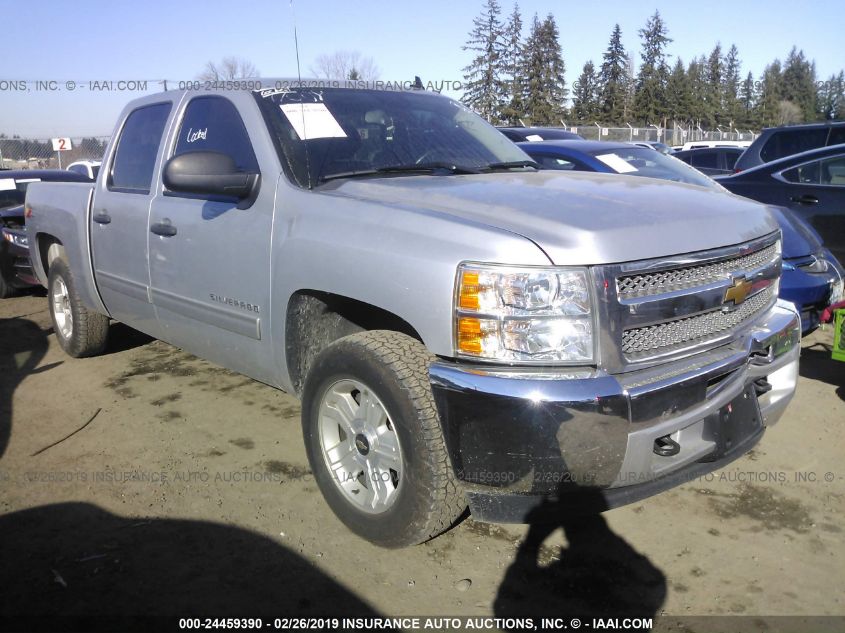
point(812, 277)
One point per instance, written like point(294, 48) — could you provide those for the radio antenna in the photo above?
point(301, 105)
point(296, 44)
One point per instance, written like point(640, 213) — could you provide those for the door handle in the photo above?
point(165, 229)
point(805, 199)
point(102, 218)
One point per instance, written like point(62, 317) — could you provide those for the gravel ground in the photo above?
point(189, 493)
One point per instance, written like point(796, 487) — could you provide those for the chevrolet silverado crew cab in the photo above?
point(462, 329)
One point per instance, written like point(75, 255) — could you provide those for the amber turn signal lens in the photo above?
point(468, 296)
point(469, 336)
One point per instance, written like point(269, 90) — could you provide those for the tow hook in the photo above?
point(761, 386)
point(666, 447)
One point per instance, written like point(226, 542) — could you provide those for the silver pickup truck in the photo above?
point(462, 329)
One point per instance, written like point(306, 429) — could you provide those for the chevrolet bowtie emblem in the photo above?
point(739, 291)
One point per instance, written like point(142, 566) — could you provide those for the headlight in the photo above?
point(523, 315)
point(18, 239)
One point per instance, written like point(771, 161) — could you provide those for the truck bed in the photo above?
point(62, 210)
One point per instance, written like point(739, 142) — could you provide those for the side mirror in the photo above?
point(210, 173)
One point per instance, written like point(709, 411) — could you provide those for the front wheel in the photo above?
point(374, 439)
point(80, 331)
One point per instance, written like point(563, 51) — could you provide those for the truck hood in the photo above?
point(578, 218)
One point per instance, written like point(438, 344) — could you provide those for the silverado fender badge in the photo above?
point(235, 303)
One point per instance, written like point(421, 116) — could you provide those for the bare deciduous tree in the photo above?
point(789, 113)
point(229, 68)
point(345, 65)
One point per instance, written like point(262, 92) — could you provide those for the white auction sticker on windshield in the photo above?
point(533, 138)
point(616, 163)
point(312, 120)
point(7, 184)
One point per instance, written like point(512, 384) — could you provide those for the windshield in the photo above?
point(366, 132)
point(640, 161)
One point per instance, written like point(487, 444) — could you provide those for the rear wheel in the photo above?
point(80, 331)
point(374, 439)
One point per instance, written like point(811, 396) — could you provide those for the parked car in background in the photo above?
point(89, 168)
point(15, 267)
point(811, 183)
point(713, 161)
point(704, 144)
point(535, 134)
point(811, 277)
point(655, 145)
point(780, 142)
point(613, 158)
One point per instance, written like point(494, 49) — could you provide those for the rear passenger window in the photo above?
point(804, 174)
point(788, 142)
point(212, 124)
point(137, 148)
point(705, 159)
point(832, 171)
point(730, 159)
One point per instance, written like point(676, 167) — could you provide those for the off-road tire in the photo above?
point(89, 331)
point(395, 367)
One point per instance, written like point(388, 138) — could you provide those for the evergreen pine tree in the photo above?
point(484, 88)
point(696, 76)
point(585, 95)
point(713, 110)
point(771, 93)
point(512, 65)
point(650, 98)
point(839, 96)
point(678, 94)
point(731, 105)
point(747, 103)
point(833, 105)
point(799, 83)
point(613, 79)
point(544, 73)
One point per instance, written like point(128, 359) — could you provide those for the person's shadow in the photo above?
point(23, 345)
point(74, 566)
point(597, 574)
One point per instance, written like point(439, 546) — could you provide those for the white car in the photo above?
point(86, 168)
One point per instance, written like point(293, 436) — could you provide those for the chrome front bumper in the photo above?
point(517, 437)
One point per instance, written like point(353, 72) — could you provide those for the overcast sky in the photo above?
point(157, 39)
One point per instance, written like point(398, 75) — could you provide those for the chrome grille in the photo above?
point(658, 282)
point(664, 337)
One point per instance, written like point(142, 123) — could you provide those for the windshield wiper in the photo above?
point(424, 168)
point(429, 167)
point(512, 165)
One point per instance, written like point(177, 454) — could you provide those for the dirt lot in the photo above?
point(189, 493)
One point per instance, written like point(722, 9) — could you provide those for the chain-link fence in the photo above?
point(675, 135)
point(31, 153)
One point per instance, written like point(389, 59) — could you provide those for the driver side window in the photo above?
point(212, 124)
